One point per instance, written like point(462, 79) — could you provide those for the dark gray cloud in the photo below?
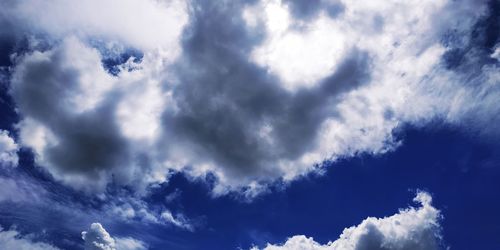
point(44, 88)
point(224, 100)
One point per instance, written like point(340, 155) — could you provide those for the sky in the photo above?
point(249, 124)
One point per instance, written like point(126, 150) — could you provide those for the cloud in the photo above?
point(77, 136)
point(130, 244)
point(12, 239)
point(232, 117)
point(301, 56)
point(411, 228)
point(245, 94)
point(179, 220)
point(134, 209)
point(18, 189)
point(97, 238)
point(8, 150)
point(156, 24)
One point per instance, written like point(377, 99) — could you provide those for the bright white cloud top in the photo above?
point(97, 238)
point(249, 93)
point(411, 228)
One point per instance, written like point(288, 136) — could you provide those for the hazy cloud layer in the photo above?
point(12, 239)
point(247, 92)
point(411, 228)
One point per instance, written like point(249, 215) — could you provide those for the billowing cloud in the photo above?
point(8, 149)
point(97, 238)
point(76, 136)
point(411, 228)
point(246, 93)
point(12, 239)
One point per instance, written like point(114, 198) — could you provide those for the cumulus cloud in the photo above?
point(247, 93)
point(12, 239)
point(411, 228)
point(97, 238)
point(8, 149)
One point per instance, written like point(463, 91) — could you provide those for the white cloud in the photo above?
point(496, 53)
point(146, 25)
point(133, 209)
point(302, 56)
point(179, 220)
point(12, 239)
point(8, 149)
point(97, 238)
point(411, 228)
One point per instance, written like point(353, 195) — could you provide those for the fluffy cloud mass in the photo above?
point(411, 228)
point(247, 93)
point(97, 238)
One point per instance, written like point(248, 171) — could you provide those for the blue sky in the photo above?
point(268, 124)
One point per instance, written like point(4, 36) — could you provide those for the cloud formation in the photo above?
point(242, 93)
point(411, 228)
point(12, 239)
point(97, 238)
